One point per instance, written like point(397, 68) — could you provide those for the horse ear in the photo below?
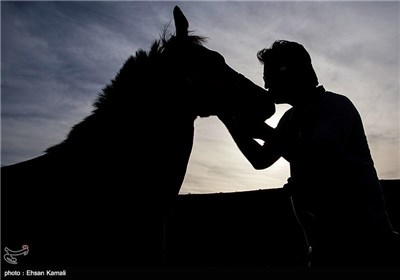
point(181, 23)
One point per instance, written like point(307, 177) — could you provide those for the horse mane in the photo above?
point(133, 65)
point(139, 66)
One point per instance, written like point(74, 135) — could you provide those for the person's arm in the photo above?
point(260, 156)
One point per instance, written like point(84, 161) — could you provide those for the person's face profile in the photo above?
point(277, 82)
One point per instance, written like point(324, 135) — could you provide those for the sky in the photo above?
point(57, 56)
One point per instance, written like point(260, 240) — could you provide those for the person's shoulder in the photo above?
point(337, 100)
point(336, 97)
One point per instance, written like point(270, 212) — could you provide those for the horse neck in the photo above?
point(145, 98)
point(105, 129)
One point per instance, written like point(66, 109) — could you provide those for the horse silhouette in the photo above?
point(100, 197)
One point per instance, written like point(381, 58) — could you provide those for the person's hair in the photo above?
point(292, 56)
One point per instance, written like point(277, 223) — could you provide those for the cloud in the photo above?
point(57, 56)
point(217, 165)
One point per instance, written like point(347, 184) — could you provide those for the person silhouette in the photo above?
point(333, 184)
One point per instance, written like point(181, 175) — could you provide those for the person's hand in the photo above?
point(260, 130)
point(228, 119)
point(235, 124)
point(245, 127)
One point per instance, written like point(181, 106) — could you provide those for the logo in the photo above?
point(10, 255)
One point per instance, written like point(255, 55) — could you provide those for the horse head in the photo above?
point(208, 85)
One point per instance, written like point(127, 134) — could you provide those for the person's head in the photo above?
point(288, 71)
